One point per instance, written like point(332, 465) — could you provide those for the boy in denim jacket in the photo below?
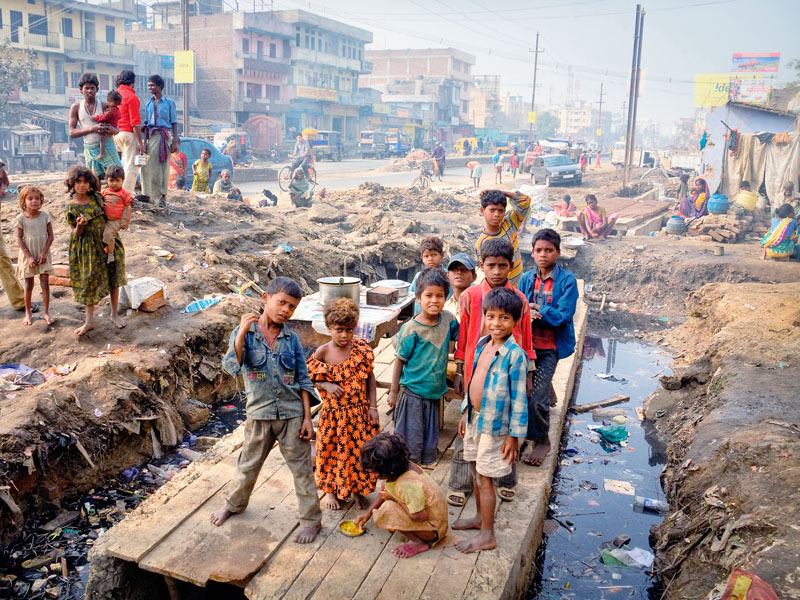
point(278, 389)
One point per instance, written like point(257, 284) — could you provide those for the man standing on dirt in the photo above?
point(129, 139)
point(161, 135)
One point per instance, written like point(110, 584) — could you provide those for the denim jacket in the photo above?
point(272, 379)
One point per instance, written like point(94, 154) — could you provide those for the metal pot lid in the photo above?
point(338, 280)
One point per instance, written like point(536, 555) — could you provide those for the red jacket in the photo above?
point(471, 326)
point(129, 109)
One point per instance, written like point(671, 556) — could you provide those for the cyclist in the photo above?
point(301, 154)
point(438, 158)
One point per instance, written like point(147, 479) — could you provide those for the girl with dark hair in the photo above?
point(409, 501)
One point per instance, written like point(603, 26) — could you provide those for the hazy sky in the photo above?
point(595, 37)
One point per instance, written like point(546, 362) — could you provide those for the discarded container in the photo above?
point(719, 250)
point(676, 225)
point(613, 433)
point(641, 504)
point(202, 304)
point(637, 557)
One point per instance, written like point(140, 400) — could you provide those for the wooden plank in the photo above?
point(283, 571)
point(618, 399)
point(240, 546)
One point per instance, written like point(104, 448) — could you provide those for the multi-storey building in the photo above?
point(242, 63)
point(440, 79)
point(327, 60)
point(67, 39)
point(485, 107)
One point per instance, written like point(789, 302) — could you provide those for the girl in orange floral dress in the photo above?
point(342, 371)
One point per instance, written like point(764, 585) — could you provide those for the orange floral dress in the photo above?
point(343, 424)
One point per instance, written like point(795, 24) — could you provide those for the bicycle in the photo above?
point(285, 175)
point(423, 180)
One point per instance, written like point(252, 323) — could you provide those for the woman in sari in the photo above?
point(178, 163)
point(695, 204)
point(594, 222)
point(301, 192)
point(781, 240)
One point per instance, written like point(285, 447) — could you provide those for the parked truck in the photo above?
point(640, 158)
point(685, 161)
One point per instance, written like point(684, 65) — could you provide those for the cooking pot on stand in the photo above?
point(331, 288)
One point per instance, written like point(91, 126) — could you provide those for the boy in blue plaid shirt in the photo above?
point(494, 412)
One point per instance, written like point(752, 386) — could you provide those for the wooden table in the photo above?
point(374, 323)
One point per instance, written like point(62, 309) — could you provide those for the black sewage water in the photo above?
point(595, 544)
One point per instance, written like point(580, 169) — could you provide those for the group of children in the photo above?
point(96, 253)
point(508, 339)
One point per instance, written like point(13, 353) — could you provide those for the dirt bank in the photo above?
point(127, 392)
point(731, 417)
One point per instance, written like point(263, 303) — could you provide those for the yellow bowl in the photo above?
point(350, 529)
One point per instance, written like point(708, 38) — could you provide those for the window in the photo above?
point(74, 78)
point(88, 17)
point(246, 46)
point(273, 50)
point(111, 34)
point(41, 79)
point(286, 50)
point(37, 24)
point(297, 39)
point(312, 42)
point(66, 27)
point(16, 25)
point(307, 42)
point(260, 50)
point(1, 19)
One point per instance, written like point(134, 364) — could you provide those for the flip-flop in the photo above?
point(506, 494)
point(456, 498)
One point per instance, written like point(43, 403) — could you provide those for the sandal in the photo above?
point(506, 494)
point(456, 498)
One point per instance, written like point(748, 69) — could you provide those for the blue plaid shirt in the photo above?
point(273, 377)
point(504, 405)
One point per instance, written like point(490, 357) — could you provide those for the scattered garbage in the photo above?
point(642, 504)
point(138, 291)
point(618, 487)
point(202, 304)
point(618, 557)
point(613, 433)
point(56, 371)
point(743, 585)
point(15, 376)
point(610, 377)
point(283, 249)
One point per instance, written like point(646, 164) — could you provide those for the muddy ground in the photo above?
point(128, 390)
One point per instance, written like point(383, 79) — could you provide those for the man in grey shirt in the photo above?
point(301, 154)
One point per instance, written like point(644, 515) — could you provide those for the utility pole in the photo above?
point(636, 89)
point(186, 86)
point(631, 99)
point(599, 117)
point(535, 68)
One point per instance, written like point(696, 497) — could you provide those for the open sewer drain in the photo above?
point(51, 562)
point(592, 504)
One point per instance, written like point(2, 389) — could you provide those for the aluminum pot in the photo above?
point(331, 288)
point(401, 286)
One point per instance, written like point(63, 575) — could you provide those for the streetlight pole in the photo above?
point(533, 91)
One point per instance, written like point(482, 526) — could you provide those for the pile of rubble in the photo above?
point(735, 226)
point(410, 162)
point(374, 195)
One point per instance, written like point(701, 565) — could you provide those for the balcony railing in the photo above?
point(20, 37)
point(97, 48)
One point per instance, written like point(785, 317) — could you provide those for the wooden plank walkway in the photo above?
point(254, 550)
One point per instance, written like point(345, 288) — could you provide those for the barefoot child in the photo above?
point(409, 502)
point(117, 208)
point(504, 224)
point(475, 172)
point(34, 236)
point(497, 159)
point(93, 277)
point(432, 253)
point(342, 371)
point(419, 378)
point(278, 388)
point(494, 412)
point(496, 259)
point(552, 293)
point(111, 116)
point(202, 172)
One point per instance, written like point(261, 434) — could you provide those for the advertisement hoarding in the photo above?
point(756, 62)
point(711, 89)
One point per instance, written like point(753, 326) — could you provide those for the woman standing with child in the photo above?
point(34, 236)
point(93, 277)
point(342, 371)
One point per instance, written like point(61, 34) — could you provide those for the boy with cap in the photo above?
point(461, 273)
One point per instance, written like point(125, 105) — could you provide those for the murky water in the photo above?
point(569, 562)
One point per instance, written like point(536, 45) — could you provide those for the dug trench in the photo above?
point(134, 390)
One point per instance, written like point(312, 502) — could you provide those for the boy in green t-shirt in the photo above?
point(419, 379)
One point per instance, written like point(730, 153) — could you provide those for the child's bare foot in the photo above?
point(483, 541)
point(116, 320)
point(47, 319)
point(28, 318)
point(537, 453)
point(362, 502)
point(411, 549)
point(87, 327)
point(308, 534)
point(473, 523)
point(218, 517)
point(331, 502)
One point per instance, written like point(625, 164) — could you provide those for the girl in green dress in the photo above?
point(93, 278)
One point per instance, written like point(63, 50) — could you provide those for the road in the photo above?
point(351, 173)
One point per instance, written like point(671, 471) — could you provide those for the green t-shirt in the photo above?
point(424, 349)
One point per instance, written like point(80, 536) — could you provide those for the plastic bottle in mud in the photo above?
point(642, 504)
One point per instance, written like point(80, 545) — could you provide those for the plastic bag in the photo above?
point(613, 433)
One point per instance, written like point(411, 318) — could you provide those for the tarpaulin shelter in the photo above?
point(753, 143)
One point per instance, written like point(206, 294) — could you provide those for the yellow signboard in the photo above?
point(184, 66)
point(531, 116)
point(711, 89)
point(317, 93)
point(599, 132)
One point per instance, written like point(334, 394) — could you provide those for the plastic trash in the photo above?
point(637, 557)
point(202, 304)
point(283, 249)
point(139, 290)
point(642, 504)
point(21, 375)
point(610, 377)
point(743, 585)
point(613, 433)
